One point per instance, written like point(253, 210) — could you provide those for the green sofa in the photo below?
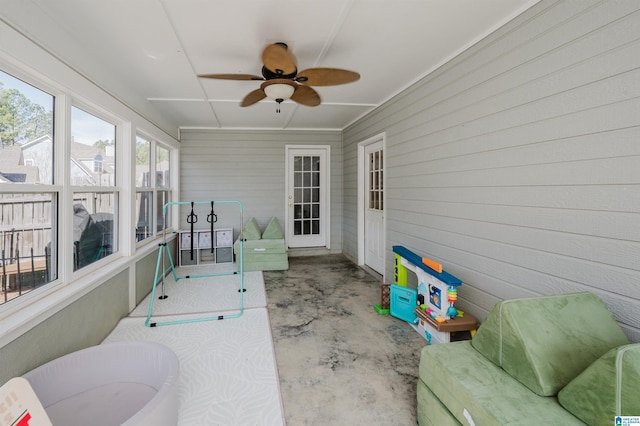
point(554, 360)
point(262, 251)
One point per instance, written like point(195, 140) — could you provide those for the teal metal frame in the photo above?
point(159, 276)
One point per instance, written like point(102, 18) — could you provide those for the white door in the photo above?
point(374, 206)
point(307, 196)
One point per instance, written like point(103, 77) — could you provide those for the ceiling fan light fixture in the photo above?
point(279, 92)
point(279, 89)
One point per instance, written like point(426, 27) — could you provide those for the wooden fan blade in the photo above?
point(305, 95)
point(326, 77)
point(232, 76)
point(253, 97)
point(278, 59)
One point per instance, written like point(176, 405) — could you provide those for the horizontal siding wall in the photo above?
point(145, 270)
point(84, 323)
point(517, 164)
point(249, 166)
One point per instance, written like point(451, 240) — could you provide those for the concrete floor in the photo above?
point(339, 361)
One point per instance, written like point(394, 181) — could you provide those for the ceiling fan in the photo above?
point(282, 81)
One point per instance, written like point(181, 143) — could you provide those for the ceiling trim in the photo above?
point(179, 100)
point(236, 101)
point(263, 129)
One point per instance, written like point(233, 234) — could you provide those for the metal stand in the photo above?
point(160, 274)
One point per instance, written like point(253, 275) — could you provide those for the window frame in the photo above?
point(71, 88)
point(55, 188)
point(62, 191)
point(116, 190)
point(154, 188)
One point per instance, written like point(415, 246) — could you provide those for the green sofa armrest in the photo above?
point(607, 388)
point(545, 342)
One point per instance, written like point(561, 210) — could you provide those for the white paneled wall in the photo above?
point(517, 164)
point(249, 166)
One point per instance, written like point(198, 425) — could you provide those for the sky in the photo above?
point(87, 128)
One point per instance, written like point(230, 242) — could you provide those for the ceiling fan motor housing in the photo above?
point(270, 75)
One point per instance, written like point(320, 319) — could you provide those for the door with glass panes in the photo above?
point(374, 207)
point(307, 189)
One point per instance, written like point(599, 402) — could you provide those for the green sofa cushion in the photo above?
point(260, 246)
point(266, 262)
point(263, 255)
point(251, 230)
point(273, 231)
point(471, 386)
point(545, 342)
point(431, 411)
point(607, 388)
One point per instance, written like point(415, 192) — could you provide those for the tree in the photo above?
point(142, 152)
point(103, 144)
point(20, 119)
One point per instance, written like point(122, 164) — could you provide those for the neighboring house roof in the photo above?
point(30, 144)
point(13, 169)
point(82, 152)
point(10, 156)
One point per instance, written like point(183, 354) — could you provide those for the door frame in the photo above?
point(362, 193)
point(324, 182)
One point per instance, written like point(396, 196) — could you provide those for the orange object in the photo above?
point(432, 264)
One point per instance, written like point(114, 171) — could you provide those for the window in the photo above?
point(163, 184)
point(92, 142)
point(28, 198)
point(93, 232)
point(375, 179)
point(93, 167)
point(26, 132)
point(306, 181)
point(51, 188)
point(150, 155)
point(97, 163)
point(144, 195)
point(163, 198)
point(162, 167)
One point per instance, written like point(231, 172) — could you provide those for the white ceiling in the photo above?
point(148, 53)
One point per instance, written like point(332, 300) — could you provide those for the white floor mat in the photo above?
point(228, 372)
point(208, 294)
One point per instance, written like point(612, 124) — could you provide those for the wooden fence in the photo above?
point(25, 234)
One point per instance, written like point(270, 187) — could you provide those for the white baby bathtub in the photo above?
point(120, 383)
